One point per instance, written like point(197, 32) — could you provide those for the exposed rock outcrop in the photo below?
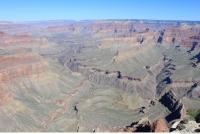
point(18, 66)
point(159, 31)
point(189, 126)
point(163, 78)
point(195, 60)
point(194, 44)
point(160, 37)
point(174, 105)
point(144, 125)
point(112, 78)
point(120, 74)
point(160, 125)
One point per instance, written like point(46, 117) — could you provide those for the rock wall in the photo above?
point(160, 31)
point(14, 66)
point(144, 125)
point(163, 78)
point(174, 105)
point(114, 79)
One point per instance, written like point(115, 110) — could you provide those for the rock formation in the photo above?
point(174, 105)
point(111, 78)
point(159, 125)
point(93, 75)
point(19, 66)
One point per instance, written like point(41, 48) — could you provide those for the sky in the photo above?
point(33, 10)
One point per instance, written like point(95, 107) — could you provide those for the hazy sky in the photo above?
point(26, 10)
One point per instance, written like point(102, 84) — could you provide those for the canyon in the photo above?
point(99, 75)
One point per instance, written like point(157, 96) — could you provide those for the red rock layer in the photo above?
point(160, 125)
point(183, 35)
point(19, 66)
point(15, 39)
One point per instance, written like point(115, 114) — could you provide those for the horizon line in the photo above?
point(82, 20)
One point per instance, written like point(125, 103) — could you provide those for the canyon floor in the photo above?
point(98, 76)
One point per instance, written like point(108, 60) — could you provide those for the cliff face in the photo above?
point(177, 109)
point(115, 79)
point(20, 57)
point(21, 43)
point(20, 66)
point(98, 74)
point(137, 85)
point(22, 70)
point(163, 78)
point(7, 39)
point(19, 62)
point(145, 125)
point(185, 36)
point(15, 67)
point(165, 32)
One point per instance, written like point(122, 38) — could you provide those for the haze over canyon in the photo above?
point(100, 76)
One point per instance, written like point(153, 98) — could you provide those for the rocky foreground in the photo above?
point(100, 76)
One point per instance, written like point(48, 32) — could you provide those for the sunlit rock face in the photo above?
point(98, 76)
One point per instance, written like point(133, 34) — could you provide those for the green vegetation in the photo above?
point(193, 113)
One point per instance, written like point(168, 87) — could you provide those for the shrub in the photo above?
point(193, 113)
point(180, 127)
